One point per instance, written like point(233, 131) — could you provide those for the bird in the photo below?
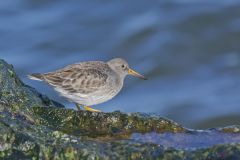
point(88, 83)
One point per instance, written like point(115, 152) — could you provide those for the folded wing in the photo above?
point(77, 80)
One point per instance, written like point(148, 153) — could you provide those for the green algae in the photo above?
point(34, 127)
point(103, 124)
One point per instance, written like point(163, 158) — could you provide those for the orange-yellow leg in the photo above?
point(90, 109)
point(86, 108)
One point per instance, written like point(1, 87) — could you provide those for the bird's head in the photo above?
point(121, 67)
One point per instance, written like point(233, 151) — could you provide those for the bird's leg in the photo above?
point(78, 106)
point(90, 109)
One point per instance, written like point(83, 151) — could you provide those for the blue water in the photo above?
point(189, 51)
point(188, 141)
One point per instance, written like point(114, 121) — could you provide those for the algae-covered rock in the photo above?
point(103, 124)
point(18, 96)
point(35, 127)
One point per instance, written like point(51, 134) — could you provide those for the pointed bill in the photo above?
point(132, 72)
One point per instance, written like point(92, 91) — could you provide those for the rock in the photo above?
point(18, 96)
point(35, 127)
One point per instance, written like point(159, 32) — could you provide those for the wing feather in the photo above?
point(75, 79)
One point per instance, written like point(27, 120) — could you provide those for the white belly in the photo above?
point(94, 98)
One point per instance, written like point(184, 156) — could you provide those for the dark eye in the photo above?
point(123, 66)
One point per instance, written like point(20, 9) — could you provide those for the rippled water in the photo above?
point(187, 141)
point(189, 51)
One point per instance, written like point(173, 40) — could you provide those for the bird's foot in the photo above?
point(90, 109)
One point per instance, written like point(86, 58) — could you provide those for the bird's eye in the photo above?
point(123, 66)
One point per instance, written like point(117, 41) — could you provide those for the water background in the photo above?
point(189, 50)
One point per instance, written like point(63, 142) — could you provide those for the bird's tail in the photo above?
point(36, 76)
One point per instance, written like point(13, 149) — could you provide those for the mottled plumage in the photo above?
point(88, 83)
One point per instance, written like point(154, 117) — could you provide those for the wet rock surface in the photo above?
point(35, 127)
